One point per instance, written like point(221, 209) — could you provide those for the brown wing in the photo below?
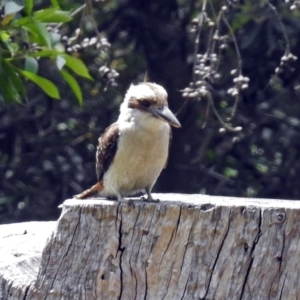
point(106, 149)
point(170, 140)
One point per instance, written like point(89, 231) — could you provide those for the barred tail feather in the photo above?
point(93, 191)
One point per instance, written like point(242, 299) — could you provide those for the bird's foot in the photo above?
point(149, 199)
point(131, 203)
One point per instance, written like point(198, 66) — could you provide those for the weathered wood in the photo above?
point(185, 247)
point(21, 247)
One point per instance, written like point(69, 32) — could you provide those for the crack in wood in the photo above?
point(120, 248)
point(281, 290)
point(146, 286)
point(97, 219)
point(176, 251)
point(279, 259)
point(81, 258)
point(185, 287)
point(49, 245)
point(9, 286)
point(172, 236)
point(132, 273)
point(166, 250)
point(218, 255)
point(139, 246)
point(155, 233)
point(255, 242)
point(26, 292)
point(64, 256)
point(146, 273)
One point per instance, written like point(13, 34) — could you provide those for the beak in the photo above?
point(164, 114)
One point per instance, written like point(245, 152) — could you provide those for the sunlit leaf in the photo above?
point(44, 13)
point(73, 85)
point(55, 3)
point(77, 66)
point(40, 32)
point(31, 64)
point(59, 17)
point(12, 7)
point(60, 62)
point(59, 47)
point(4, 36)
point(52, 15)
point(46, 85)
point(7, 19)
point(28, 6)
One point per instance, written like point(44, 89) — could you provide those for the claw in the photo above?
point(149, 199)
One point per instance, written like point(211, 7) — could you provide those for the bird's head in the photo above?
point(149, 101)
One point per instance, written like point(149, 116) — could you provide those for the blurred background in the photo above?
point(47, 146)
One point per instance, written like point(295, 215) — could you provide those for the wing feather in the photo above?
point(106, 149)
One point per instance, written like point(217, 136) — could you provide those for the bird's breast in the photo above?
point(141, 155)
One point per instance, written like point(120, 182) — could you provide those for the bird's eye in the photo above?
point(145, 103)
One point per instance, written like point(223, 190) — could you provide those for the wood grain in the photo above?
point(185, 247)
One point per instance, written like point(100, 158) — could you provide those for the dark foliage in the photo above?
point(47, 147)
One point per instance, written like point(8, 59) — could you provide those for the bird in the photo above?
point(134, 150)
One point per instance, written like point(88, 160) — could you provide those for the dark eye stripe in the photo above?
point(145, 103)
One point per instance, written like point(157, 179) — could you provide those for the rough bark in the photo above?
point(185, 247)
point(21, 247)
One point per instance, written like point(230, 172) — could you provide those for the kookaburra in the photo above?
point(133, 151)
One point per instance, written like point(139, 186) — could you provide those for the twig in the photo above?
point(288, 46)
point(238, 53)
point(226, 126)
point(197, 41)
point(75, 12)
point(237, 50)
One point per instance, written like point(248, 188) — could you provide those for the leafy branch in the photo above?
point(26, 39)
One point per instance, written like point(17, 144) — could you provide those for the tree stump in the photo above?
point(21, 247)
point(185, 247)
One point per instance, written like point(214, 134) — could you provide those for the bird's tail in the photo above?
point(93, 191)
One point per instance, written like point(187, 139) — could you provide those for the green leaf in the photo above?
point(14, 77)
point(40, 32)
point(7, 89)
point(46, 85)
point(77, 66)
point(59, 47)
point(230, 173)
point(55, 3)
point(7, 19)
point(23, 21)
point(28, 6)
point(73, 85)
point(11, 8)
point(4, 36)
point(6, 50)
point(31, 64)
point(46, 53)
point(60, 62)
point(12, 48)
point(58, 17)
point(52, 15)
point(44, 13)
point(55, 37)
